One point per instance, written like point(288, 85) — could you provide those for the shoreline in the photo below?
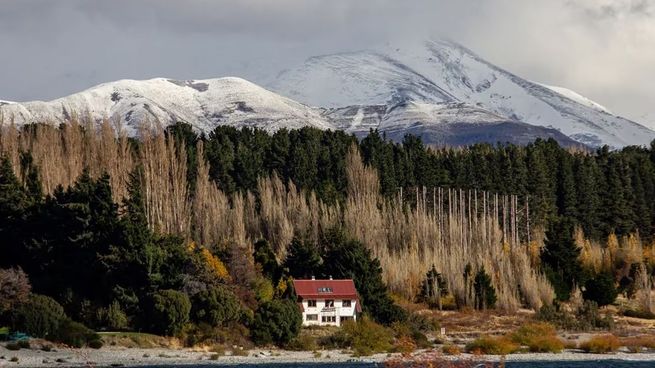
point(141, 357)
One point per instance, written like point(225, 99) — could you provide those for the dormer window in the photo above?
point(325, 290)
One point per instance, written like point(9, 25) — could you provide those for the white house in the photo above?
point(327, 302)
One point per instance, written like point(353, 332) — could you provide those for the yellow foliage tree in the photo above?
point(215, 264)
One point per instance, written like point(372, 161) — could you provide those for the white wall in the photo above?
point(339, 310)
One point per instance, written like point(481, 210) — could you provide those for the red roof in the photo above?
point(325, 289)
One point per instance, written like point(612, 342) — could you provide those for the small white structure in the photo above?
point(327, 302)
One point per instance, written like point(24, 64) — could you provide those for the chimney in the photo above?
point(330, 277)
point(313, 278)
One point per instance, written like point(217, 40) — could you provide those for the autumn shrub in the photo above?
point(14, 288)
point(451, 349)
point(364, 337)
point(492, 345)
point(39, 316)
point(169, 312)
point(404, 345)
point(539, 337)
point(601, 344)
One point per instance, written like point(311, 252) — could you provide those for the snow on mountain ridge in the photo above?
point(442, 71)
point(577, 98)
point(202, 103)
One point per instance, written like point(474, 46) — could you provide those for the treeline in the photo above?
point(603, 191)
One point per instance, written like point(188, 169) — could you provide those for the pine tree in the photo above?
point(433, 288)
point(561, 258)
point(485, 293)
point(13, 204)
point(303, 259)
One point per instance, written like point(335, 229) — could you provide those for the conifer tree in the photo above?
point(13, 203)
point(560, 258)
point(485, 293)
point(303, 259)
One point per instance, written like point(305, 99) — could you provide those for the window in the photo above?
point(329, 303)
point(311, 303)
point(329, 319)
point(325, 290)
point(311, 317)
point(346, 304)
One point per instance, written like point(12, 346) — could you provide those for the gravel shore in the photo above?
point(116, 357)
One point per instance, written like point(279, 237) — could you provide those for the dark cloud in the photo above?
point(602, 48)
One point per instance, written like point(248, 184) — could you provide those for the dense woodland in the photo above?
point(178, 233)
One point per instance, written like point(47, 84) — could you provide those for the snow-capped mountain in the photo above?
point(438, 72)
point(202, 103)
point(438, 90)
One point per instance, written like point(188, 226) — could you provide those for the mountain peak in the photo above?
point(442, 71)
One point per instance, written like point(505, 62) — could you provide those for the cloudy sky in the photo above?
point(604, 49)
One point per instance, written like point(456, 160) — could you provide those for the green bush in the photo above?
point(115, 318)
point(216, 306)
point(585, 319)
point(75, 334)
point(364, 337)
point(170, 312)
point(276, 322)
point(601, 289)
point(95, 344)
point(303, 342)
point(40, 316)
point(13, 346)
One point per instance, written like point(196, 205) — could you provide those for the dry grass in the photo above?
point(138, 340)
point(601, 344)
point(639, 343)
point(492, 345)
